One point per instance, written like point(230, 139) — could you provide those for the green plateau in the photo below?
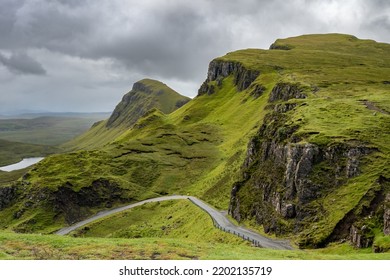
point(292, 142)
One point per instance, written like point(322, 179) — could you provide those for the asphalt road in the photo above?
point(220, 221)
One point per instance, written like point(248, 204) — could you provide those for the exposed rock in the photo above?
point(284, 107)
point(353, 155)
point(257, 91)
point(281, 179)
point(220, 69)
point(139, 86)
point(206, 88)
point(386, 216)
point(299, 164)
point(361, 236)
point(288, 211)
point(74, 205)
point(236, 211)
point(7, 195)
point(127, 99)
point(285, 91)
point(278, 46)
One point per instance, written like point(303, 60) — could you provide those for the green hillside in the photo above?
point(12, 152)
point(146, 95)
point(294, 141)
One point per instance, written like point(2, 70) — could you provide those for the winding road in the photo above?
point(219, 219)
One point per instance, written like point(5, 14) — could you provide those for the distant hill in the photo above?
point(47, 129)
point(145, 96)
point(55, 114)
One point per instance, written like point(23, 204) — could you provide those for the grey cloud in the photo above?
point(21, 63)
point(169, 40)
point(170, 44)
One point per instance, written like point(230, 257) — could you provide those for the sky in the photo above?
point(84, 55)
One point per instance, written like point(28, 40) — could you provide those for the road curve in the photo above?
point(105, 213)
point(220, 221)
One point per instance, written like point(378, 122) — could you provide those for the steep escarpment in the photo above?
point(285, 179)
point(317, 167)
point(220, 69)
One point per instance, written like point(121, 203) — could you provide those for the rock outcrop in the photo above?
point(285, 91)
point(284, 178)
point(386, 216)
point(7, 195)
point(361, 237)
point(75, 205)
point(220, 69)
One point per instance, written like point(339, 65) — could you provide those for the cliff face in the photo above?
point(285, 179)
point(220, 69)
point(7, 195)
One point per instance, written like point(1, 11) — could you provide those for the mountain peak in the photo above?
point(320, 42)
point(149, 86)
point(145, 95)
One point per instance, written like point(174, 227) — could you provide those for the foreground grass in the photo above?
point(47, 247)
point(170, 230)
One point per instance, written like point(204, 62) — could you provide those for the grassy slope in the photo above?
point(165, 230)
point(168, 219)
point(97, 136)
point(154, 94)
point(167, 98)
point(199, 145)
point(13, 152)
point(47, 247)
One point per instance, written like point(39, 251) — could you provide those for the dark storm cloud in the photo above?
point(21, 63)
point(114, 41)
point(164, 38)
point(167, 42)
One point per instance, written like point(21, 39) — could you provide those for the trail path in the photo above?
point(219, 219)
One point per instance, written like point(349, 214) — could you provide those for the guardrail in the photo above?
point(255, 242)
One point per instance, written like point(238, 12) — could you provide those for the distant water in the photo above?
point(26, 162)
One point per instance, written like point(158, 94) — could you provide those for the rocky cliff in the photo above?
point(286, 180)
point(220, 69)
point(7, 195)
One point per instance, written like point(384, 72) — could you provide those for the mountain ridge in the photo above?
point(146, 96)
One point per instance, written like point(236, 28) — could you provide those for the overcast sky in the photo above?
point(83, 55)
